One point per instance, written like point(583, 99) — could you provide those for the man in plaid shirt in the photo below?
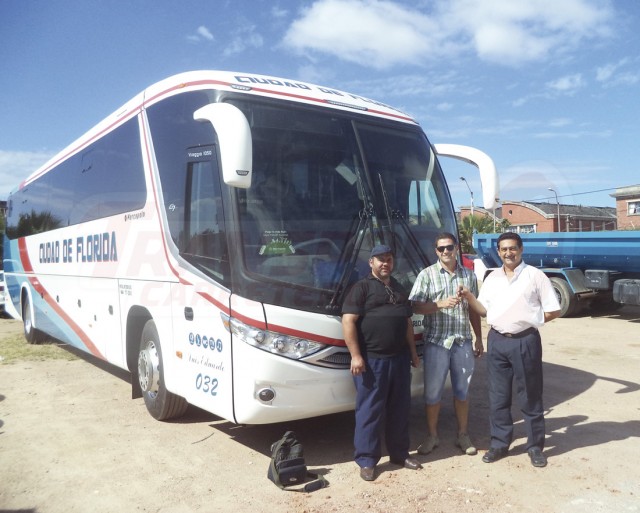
point(447, 338)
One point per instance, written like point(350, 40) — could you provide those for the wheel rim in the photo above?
point(149, 369)
point(28, 323)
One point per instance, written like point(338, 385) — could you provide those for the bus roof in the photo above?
point(275, 87)
point(248, 83)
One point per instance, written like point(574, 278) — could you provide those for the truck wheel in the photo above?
point(162, 404)
point(32, 335)
point(566, 298)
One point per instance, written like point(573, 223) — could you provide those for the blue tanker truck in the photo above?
point(587, 269)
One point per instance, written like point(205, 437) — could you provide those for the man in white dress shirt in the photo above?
point(516, 299)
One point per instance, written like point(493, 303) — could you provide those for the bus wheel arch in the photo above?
point(149, 375)
point(137, 318)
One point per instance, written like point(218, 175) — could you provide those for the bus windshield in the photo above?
point(327, 188)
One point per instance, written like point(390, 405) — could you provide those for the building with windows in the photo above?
point(532, 217)
point(628, 207)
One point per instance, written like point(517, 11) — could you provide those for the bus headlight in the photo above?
point(273, 342)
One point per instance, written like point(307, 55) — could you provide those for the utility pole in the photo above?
point(558, 205)
point(470, 192)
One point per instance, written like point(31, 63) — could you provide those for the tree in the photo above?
point(477, 224)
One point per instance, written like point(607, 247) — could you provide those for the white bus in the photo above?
point(203, 236)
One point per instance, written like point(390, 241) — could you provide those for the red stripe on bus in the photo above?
point(39, 288)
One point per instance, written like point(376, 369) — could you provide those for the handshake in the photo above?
point(453, 301)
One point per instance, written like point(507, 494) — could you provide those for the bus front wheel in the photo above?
point(31, 334)
point(162, 404)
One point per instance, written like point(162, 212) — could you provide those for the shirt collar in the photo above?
point(517, 270)
point(442, 269)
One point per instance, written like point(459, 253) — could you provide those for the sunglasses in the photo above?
point(449, 247)
point(392, 295)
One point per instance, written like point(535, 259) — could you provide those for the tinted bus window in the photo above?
point(104, 180)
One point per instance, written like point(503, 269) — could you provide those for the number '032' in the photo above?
point(207, 384)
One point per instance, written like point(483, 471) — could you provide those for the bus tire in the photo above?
point(31, 334)
point(161, 404)
point(566, 298)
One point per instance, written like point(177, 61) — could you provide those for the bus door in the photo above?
point(202, 294)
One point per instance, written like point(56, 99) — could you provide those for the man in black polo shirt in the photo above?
point(377, 327)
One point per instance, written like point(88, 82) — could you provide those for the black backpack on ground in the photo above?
point(287, 468)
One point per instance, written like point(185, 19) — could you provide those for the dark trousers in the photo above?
point(519, 359)
point(383, 401)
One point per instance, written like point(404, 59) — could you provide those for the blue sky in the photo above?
point(548, 88)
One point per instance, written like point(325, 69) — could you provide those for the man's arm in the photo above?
point(350, 333)
point(476, 325)
point(431, 307)
point(411, 342)
point(549, 316)
point(474, 305)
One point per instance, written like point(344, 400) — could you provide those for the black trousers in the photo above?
point(383, 403)
point(520, 360)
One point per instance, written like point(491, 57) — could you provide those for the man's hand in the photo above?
point(449, 302)
point(357, 365)
point(478, 348)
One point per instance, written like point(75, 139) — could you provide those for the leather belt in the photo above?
point(523, 333)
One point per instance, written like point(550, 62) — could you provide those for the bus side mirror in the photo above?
point(235, 143)
point(484, 163)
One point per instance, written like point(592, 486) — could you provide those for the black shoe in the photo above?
point(410, 463)
point(537, 458)
point(368, 473)
point(495, 454)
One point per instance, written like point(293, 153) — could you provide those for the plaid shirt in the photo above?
point(435, 283)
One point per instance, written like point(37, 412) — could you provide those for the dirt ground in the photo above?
point(72, 440)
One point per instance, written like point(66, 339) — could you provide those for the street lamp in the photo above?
point(557, 203)
point(470, 192)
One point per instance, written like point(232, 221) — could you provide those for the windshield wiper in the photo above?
point(347, 262)
point(410, 237)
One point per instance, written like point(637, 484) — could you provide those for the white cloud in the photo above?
point(202, 33)
point(372, 33)
point(560, 122)
point(614, 74)
point(384, 33)
point(15, 166)
point(517, 32)
point(575, 134)
point(563, 86)
point(245, 37)
point(567, 84)
point(604, 73)
point(278, 12)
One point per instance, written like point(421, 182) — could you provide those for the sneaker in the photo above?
point(429, 444)
point(464, 442)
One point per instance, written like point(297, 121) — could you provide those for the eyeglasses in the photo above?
point(448, 247)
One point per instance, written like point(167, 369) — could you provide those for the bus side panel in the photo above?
point(202, 347)
point(97, 305)
point(83, 312)
point(56, 298)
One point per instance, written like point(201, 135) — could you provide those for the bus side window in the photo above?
point(204, 219)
